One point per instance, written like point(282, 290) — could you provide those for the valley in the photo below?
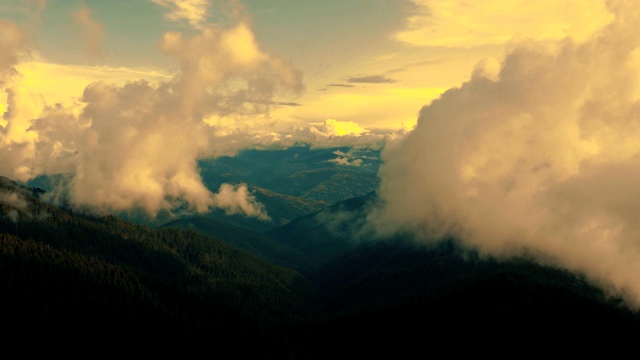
point(314, 283)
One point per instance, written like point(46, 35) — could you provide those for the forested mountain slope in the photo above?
point(71, 281)
point(79, 285)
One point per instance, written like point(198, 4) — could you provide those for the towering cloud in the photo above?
point(16, 141)
point(541, 155)
point(136, 145)
point(142, 142)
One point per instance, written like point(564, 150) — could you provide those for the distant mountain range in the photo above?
point(293, 182)
point(289, 183)
point(77, 285)
point(313, 174)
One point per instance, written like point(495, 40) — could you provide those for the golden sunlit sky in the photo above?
point(371, 62)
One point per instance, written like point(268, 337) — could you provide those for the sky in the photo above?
point(510, 124)
point(371, 62)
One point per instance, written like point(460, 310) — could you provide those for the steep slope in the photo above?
point(388, 296)
point(280, 208)
point(246, 240)
point(116, 287)
point(328, 233)
point(394, 298)
point(75, 285)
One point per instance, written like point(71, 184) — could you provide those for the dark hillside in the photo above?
point(245, 240)
point(84, 286)
point(73, 282)
point(328, 233)
point(397, 299)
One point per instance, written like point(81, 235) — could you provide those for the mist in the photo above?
point(536, 152)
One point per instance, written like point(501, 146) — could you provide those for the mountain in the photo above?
point(313, 174)
point(79, 285)
point(328, 233)
point(399, 298)
point(289, 183)
point(71, 282)
point(402, 296)
point(245, 240)
point(280, 208)
point(302, 244)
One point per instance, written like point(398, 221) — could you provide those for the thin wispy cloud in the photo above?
point(414, 65)
point(288, 104)
point(194, 12)
point(456, 23)
point(371, 79)
point(92, 31)
point(340, 85)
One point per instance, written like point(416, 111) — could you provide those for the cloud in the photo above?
point(416, 65)
point(64, 84)
point(16, 142)
point(12, 48)
point(343, 159)
point(92, 32)
point(14, 200)
point(539, 153)
point(13, 206)
point(340, 85)
point(13, 215)
point(372, 79)
point(234, 135)
point(333, 127)
point(34, 11)
point(193, 11)
point(387, 108)
point(134, 144)
point(288, 104)
point(238, 200)
point(476, 23)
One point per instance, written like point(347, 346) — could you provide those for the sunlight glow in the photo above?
point(343, 128)
point(65, 84)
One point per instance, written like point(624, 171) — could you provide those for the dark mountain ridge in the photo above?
point(76, 284)
point(245, 240)
point(327, 233)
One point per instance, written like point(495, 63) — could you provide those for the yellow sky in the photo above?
point(375, 82)
point(60, 83)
